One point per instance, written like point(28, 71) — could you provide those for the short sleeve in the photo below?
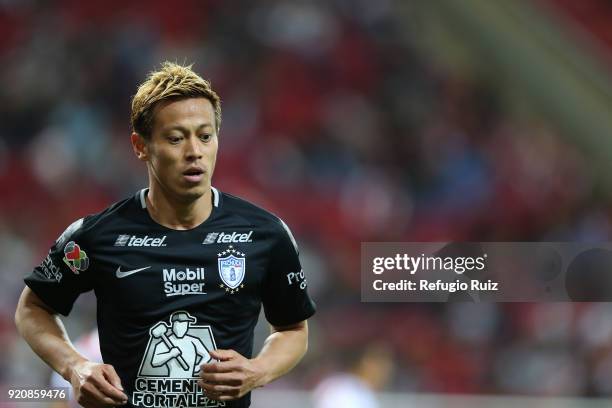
point(62, 276)
point(285, 292)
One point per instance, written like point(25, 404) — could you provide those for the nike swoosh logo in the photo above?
point(122, 274)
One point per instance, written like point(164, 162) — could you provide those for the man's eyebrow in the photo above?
point(183, 128)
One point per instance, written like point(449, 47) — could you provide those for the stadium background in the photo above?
point(354, 121)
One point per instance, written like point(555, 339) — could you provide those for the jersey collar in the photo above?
point(142, 194)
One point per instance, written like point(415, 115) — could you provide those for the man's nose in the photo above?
point(193, 148)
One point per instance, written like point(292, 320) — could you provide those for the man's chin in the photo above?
point(193, 193)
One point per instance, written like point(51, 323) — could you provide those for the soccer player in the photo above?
point(180, 272)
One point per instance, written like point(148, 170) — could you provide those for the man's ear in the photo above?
point(140, 146)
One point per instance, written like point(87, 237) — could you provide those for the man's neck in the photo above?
point(176, 214)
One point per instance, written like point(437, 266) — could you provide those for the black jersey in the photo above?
point(158, 289)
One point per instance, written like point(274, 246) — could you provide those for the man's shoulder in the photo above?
point(251, 213)
point(119, 212)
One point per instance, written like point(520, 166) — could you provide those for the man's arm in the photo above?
point(42, 329)
point(282, 350)
point(235, 375)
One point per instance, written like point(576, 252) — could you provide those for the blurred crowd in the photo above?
point(592, 18)
point(334, 121)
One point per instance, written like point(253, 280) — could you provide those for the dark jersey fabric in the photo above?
point(160, 289)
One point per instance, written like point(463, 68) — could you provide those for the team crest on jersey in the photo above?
point(232, 268)
point(75, 257)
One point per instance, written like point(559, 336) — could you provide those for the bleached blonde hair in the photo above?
point(171, 82)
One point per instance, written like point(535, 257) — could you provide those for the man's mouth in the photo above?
point(194, 175)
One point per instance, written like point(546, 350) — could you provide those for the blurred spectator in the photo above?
point(368, 373)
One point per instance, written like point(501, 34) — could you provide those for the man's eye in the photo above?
point(174, 139)
point(205, 138)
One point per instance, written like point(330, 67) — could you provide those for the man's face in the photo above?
point(182, 151)
point(180, 328)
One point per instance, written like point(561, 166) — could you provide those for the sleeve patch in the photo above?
point(75, 257)
point(50, 270)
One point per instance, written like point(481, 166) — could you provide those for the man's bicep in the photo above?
point(299, 326)
point(33, 315)
point(58, 296)
point(29, 298)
